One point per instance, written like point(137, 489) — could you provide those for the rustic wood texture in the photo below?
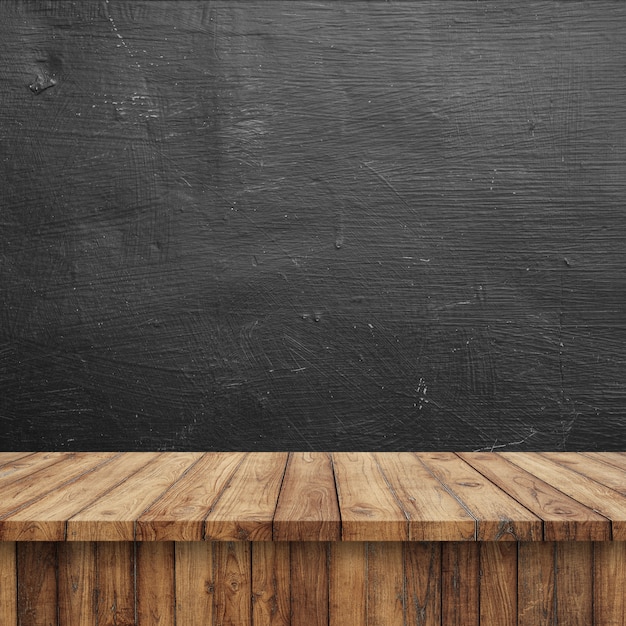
point(271, 583)
point(116, 583)
point(498, 583)
point(77, 583)
point(422, 570)
point(348, 583)
point(8, 583)
point(195, 582)
point(332, 226)
point(460, 588)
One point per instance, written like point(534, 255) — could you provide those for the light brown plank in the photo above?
point(46, 518)
point(609, 603)
point(602, 499)
point(37, 584)
point(38, 483)
point(385, 584)
point(8, 583)
point(536, 580)
point(77, 583)
point(271, 573)
point(498, 583)
point(369, 510)
point(245, 510)
point(617, 459)
point(499, 517)
point(348, 583)
point(21, 466)
point(179, 514)
point(574, 583)
point(307, 507)
point(460, 584)
point(155, 583)
point(564, 519)
point(232, 583)
point(11, 457)
point(434, 515)
point(422, 567)
point(603, 473)
point(116, 583)
point(309, 583)
point(112, 516)
point(195, 582)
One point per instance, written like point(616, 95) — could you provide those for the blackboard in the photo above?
point(312, 225)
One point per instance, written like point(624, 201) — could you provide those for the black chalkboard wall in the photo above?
point(312, 225)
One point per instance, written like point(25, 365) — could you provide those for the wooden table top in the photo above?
point(280, 496)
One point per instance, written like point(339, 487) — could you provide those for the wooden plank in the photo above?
point(434, 514)
point(116, 583)
point(536, 581)
point(498, 583)
point(385, 584)
point(422, 570)
point(77, 582)
point(460, 578)
point(11, 457)
point(38, 483)
point(8, 583)
point(574, 583)
point(271, 583)
point(609, 574)
point(112, 516)
point(245, 510)
point(27, 465)
point(617, 459)
point(369, 509)
point(307, 507)
point(180, 513)
point(499, 517)
point(46, 518)
point(590, 493)
point(309, 582)
point(195, 582)
point(37, 584)
point(564, 518)
point(348, 583)
point(232, 583)
point(155, 583)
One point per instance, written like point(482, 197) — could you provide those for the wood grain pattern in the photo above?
point(385, 584)
point(348, 583)
point(574, 583)
point(563, 518)
point(195, 582)
point(309, 582)
point(460, 590)
point(233, 605)
point(77, 583)
point(116, 583)
point(155, 583)
point(8, 583)
point(498, 583)
point(369, 511)
point(499, 516)
point(37, 593)
point(536, 584)
point(271, 583)
point(422, 569)
point(307, 509)
point(609, 600)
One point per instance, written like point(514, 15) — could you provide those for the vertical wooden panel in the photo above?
point(232, 583)
point(574, 583)
point(116, 583)
point(385, 584)
point(609, 604)
point(77, 583)
point(422, 567)
point(8, 583)
point(37, 588)
point(536, 579)
point(498, 583)
point(348, 583)
point(459, 584)
point(271, 583)
point(195, 582)
point(155, 583)
point(309, 583)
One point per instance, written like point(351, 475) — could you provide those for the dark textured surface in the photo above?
point(330, 225)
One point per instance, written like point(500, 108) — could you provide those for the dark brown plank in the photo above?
point(233, 586)
point(245, 510)
point(77, 582)
point(309, 583)
point(498, 583)
point(307, 507)
point(499, 516)
point(271, 573)
point(422, 569)
point(155, 583)
point(609, 574)
point(385, 583)
point(369, 509)
point(434, 514)
point(37, 588)
point(460, 584)
point(536, 583)
point(195, 582)
point(8, 583)
point(574, 583)
point(116, 583)
point(563, 518)
point(348, 583)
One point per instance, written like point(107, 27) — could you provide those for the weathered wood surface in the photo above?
point(313, 583)
point(333, 225)
point(361, 496)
